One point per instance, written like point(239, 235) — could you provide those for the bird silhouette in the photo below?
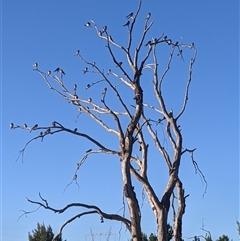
point(127, 23)
point(104, 91)
point(88, 86)
point(59, 70)
point(104, 29)
point(11, 126)
point(74, 87)
point(34, 127)
point(180, 52)
point(148, 43)
point(35, 65)
point(88, 24)
point(119, 64)
point(77, 53)
point(49, 72)
point(25, 126)
point(148, 16)
point(110, 38)
point(130, 15)
point(85, 70)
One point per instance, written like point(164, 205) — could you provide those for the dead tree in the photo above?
point(142, 117)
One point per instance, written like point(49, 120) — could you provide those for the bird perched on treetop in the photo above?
point(104, 29)
point(77, 53)
point(130, 15)
point(127, 23)
point(85, 70)
point(35, 65)
point(59, 70)
point(148, 16)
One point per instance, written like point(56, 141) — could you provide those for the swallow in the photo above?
point(41, 133)
point(75, 177)
point(93, 64)
point(88, 86)
point(88, 24)
point(109, 71)
point(77, 53)
point(127, 23)
point(11, 126)
point(90, 100)
point(101, 219)
point(59, 70)
point(100, 33)
point(148, 43)
point(53, 124)
point(75, 87)
point(119, 64)
point(25, 126)
point(104, 29)
point(75, 130)
point(154, 40)
point(130, 15)
point(75, 97)
point(47, 131)
point(85, 70)
point(191, 46)
point(165, 38)
point(49, 72)
point(180, 52)
point(104, 91)
point(169, 41)
point(35, 65)
point(34, 127)
point(110, 38)
point(148, 16)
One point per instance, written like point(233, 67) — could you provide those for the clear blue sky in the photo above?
point(49, 32)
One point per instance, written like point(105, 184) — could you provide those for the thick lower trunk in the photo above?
point(162, 230)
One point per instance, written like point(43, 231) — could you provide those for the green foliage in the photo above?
point(238, 228)
point(208, 238)
point(41, 233)
point(223, 238)
point(196, 238)
point(152, 237)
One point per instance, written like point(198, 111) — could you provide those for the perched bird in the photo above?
point(104, 29)
point(53, 124)
point(110, 38)
point(191, 46)
point(75, 177)
point(88, 86)
point(100, 33)
point(11, 126)
point(109, 71)
point(169, 41)
point(75, 130)
point(90, 100)
point(130, 15)
point(25, 126)
point(127, 23)
point(119, 64)
point(74, 87)
point(88, 24)
point(148, 16)
point(35, 65)
point(34, 127)
point(104, 91)
point(93, 64)
point(165, 38)
point(49, 72)
point(59, 70)
point(75, 97)
point(180, 52)
point(41, 133)
point(148, 43)
point(47, 131)
point(77, 53)
point(101, 219)
point(85, 70)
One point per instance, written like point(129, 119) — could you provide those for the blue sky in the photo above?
point(49, 32)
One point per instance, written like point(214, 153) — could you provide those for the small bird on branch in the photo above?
point(130, 15)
